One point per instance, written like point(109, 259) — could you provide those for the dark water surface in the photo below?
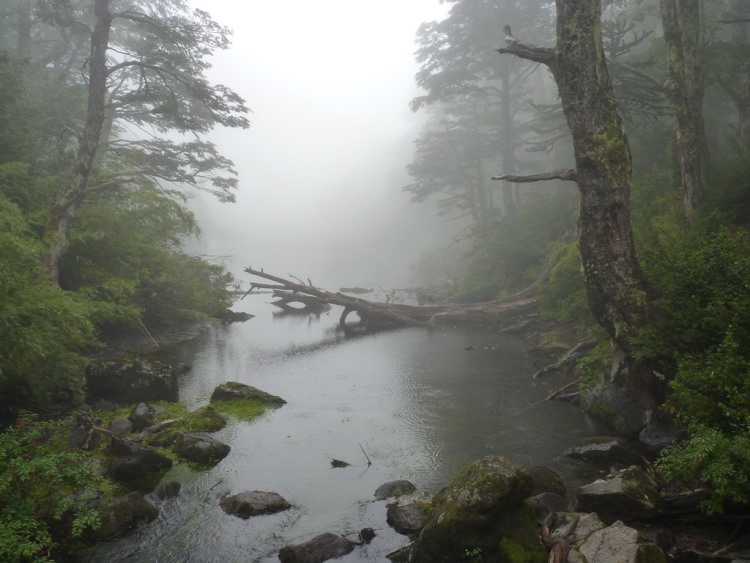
point(420, 405)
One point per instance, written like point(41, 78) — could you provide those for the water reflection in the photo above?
point(419, 403)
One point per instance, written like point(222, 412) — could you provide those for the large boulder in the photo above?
point(253, 503)
point(131, 380)
point(132, 461)
point(200, 449)
point(124, 515)
point(617, 543)
point(320, 548)
point(232, 390)
point(394, 489)
point(627, 494)
point(482, 512)
point(407, 519)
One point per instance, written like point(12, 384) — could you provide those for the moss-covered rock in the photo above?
point(200, 449)
point(232, 390)
point(481, 515)
point(125, 514)
point(205, 419)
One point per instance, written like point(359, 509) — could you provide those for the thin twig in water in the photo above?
point(369, 463)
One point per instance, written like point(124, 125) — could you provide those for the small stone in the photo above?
point(320, 548)
point(367, 535)
point(253, 503)
point(200, 449)
point(168, 490)
point(394, 489)
point(142, 416)
point(120, 426)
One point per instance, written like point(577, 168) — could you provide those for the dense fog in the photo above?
point(322, 166)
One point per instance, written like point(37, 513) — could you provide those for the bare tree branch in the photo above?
point(567, 175)
point(543, 55)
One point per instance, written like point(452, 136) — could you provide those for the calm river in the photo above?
point(419, 403)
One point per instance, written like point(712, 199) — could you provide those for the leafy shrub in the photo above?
point(594, 367)
point(44, 491)
point(564, 296)
point(42, 328)
point(712, 459)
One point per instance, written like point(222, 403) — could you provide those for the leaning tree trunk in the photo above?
point(684, 90)
point(75, 187)
point(617, 289)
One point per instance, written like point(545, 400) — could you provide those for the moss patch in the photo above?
point(245, 410)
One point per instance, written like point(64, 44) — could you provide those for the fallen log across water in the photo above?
point(375, 315)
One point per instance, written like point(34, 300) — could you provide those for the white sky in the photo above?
point(329, 83)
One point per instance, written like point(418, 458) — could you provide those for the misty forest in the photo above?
point(504, 285)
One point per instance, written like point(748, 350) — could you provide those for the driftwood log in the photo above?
point(374, 315)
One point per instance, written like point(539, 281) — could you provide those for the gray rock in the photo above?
point(320, 548)
point(232, 390)
point(133, 461)
point(124, 515)
point(253, 503)
point(546, 480)
point(627, 494)
point(576, 526)
point(482, 509)
point(120, 426)
point(619, 543)
point(200, 449)
point(657, 436)
point(607, 454)
point(548, 502)
point(142, 416)
point(131, 381)
point(168, 490)
point(406, 519)
point(394, 489)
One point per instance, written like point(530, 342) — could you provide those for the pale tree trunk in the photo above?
point(616, 287)
point(684, 89)
point(508, 141)
point(76, 185)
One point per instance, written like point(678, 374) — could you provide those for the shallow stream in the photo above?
point(416, 400)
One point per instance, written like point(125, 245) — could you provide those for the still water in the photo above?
point(420, 404)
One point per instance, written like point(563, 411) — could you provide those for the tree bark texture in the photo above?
point(684, 89)
point(616, 287)
point(74, 188)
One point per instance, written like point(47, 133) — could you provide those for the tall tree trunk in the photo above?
point(23, 41)
point(75, 187)
point(684, 89)
point(508, 141)
point(616, 287)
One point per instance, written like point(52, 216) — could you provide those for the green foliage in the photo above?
point(714, 389)
point(702, 339)
point(594, 367)
point(564, 296)
point(704, 283)
point(245, 410)
point(44, 491)
point(125, 257)
point(711, 459)
point(42, 328)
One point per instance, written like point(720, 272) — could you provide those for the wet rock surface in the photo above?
point(232, 390)
point(627, 494)
point(124, 515)
point(200, 449)
point(253, 503)
point(320, 548)
point(406, 519)
point(394, 489)
point(132, 461)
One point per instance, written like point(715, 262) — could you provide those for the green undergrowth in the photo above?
point(244, 410)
